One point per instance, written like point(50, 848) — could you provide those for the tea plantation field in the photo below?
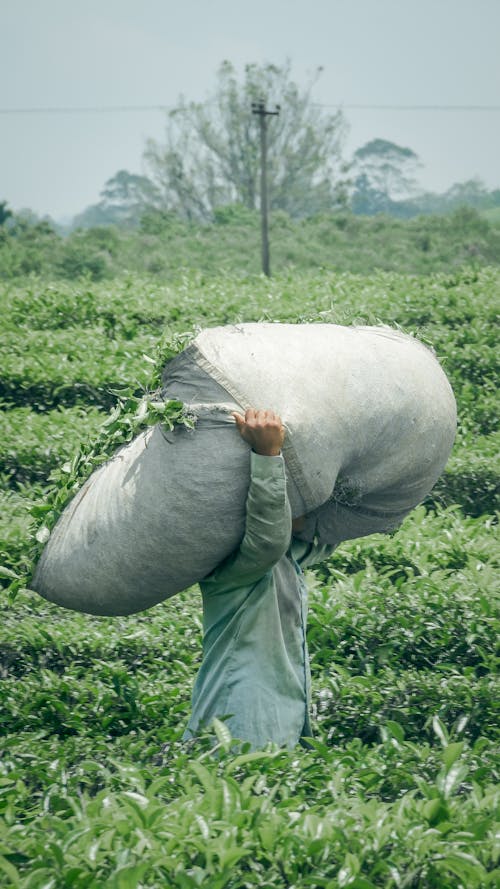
point(400, 787)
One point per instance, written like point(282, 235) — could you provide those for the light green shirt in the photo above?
point(255, 667)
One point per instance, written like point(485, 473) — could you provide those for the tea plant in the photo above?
point(399, 787)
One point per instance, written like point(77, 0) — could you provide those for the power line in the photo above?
point(341, 105)
point(97, 109)
point(111, 109)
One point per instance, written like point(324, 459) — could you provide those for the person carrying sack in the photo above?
point(255, 668)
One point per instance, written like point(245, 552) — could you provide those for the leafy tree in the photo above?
point(124, 198)
point(472, 193)
point(28, 226)
point(5, 212)
point(384, 174)
point(127, 191)
point(211, 154)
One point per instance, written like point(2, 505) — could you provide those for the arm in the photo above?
point(268, 518)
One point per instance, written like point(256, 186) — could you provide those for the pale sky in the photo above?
point(63, 53)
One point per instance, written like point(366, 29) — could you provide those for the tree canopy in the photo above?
point(383, 174)
point(211, 153)
point(124, 197)
point(5, 212)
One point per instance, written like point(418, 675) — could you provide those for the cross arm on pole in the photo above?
point(260, 108)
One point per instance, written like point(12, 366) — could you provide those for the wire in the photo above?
point(108, 109)
point(104, 109)
point(340, 105)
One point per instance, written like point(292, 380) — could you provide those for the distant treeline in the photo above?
point(163, 244)
point(127, 199)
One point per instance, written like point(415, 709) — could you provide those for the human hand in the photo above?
point(263, 430)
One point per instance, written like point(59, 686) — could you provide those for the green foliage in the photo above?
point(399, 787)
point(166, 246)
point(211, 154)
point(80, 258)
point(492, 214)
point(33, 444)
point(124, 198)
point(5, 212)
point(66, 367)
point(27, 246)
point(235, 214)
point(472, 476)
point(382, 172)
point(472, 193)
point(386, 170)
point(130, 415)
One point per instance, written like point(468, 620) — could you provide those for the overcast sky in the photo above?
point(60, 53)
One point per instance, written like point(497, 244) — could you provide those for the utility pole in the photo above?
point(260, 109)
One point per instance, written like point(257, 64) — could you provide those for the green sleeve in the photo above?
point(268, 529)
point(307, 554)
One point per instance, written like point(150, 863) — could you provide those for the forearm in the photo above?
point(267, 528)
point(268, 516)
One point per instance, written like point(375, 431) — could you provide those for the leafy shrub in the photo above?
point(472, 476)
point(78, 260)
point(340, 241)
point(52, 307)
point(32, 444)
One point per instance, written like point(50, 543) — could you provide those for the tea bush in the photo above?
point(399, 786)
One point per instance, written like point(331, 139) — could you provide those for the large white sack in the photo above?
point(368, 410)
point(370, 420)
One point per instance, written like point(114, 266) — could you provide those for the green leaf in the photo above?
point(142, 410)
point(465, 866)
point(451, 779)
point(203, 775)
point(115, 413)
point(349, 870)
point(440, 730)
point(7, 572)
point(10, 871)
point(244, 758)
point(267, 834)
point(204, 828)
point(452, 752)
point(396, 730)
point(222, 733)
point(435, 810)
point(129, 877)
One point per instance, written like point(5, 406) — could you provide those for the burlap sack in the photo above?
point(370, 420)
